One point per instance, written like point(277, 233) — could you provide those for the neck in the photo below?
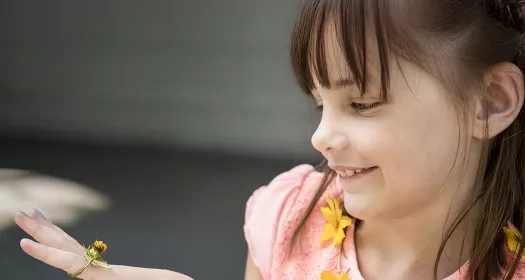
point(409, 245)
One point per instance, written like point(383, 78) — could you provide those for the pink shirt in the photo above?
point(272, 214)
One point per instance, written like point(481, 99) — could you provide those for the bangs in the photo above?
point(357, 23)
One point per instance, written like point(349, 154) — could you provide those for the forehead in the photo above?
point(336, 56)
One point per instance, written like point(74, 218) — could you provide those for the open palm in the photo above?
point(54, 246)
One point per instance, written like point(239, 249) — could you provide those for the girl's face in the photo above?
point(404, 150)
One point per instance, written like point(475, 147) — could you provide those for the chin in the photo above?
point(361, 207)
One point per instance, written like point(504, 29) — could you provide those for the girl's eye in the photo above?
point(358, 107)
point(363, 107)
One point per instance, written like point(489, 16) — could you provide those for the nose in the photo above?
point(329, 137)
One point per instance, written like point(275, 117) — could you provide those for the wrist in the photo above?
point(138, 273)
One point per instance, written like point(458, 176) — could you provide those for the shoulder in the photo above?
point(281, 192)
point(269, 206)
point(519, 274)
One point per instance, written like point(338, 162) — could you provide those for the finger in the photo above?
point(44, 234)
point(40, 218)
point(69, 243)
point(64, 260)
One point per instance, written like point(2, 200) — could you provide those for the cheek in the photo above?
point(413, 150)
point(426, 157)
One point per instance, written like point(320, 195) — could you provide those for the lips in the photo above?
point(352, 172)
point(353, 179)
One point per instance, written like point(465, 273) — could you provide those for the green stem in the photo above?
point(341, 258)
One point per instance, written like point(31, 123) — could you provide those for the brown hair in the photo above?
point(457, 41)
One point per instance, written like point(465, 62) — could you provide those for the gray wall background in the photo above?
point(202, 74)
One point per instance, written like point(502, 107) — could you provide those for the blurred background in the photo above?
point(146, 124)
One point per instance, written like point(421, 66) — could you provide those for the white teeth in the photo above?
point(349, 173)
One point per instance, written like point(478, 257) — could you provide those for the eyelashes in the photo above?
point(356, 106)
point(361, 107)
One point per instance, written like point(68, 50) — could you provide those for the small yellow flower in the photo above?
point(100, 246)
point(513, 240)
point(327, 275)
point(336, 222)
point(93, 257)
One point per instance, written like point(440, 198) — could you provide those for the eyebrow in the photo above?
point(346, 82)
point(341, 83)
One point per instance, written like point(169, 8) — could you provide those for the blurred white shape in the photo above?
point(62, 201)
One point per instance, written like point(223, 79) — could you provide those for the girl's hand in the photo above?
point(56, 248)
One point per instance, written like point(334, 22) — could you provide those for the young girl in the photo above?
point(422, 130)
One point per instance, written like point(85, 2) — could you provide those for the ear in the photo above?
point(502, 101)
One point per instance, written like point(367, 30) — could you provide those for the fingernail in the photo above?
point(25, 240)
point(24, 213)
point(39, 213)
